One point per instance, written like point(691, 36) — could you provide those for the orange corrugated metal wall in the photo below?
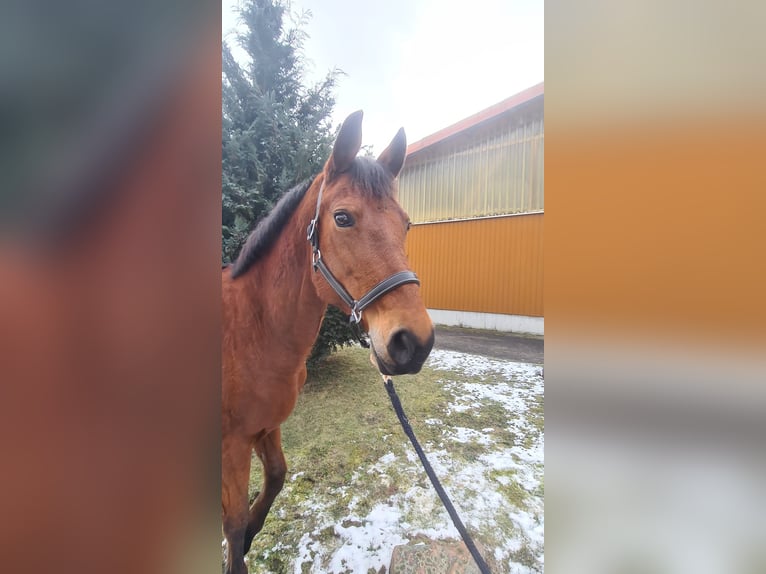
point(492, 265)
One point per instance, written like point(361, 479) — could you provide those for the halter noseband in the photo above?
point(356, 306)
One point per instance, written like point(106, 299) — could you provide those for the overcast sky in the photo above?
point(421, 64)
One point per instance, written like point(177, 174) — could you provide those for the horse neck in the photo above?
point(281, 287)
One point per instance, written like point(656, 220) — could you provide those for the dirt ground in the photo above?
point(494, 344)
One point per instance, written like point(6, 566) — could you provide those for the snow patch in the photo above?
point(361, 541)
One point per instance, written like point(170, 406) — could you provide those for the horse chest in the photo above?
point(272, 398)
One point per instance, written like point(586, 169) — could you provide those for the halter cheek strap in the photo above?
point(356, 305)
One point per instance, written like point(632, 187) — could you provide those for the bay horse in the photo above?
point(337, 240)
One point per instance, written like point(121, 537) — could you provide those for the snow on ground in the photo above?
point(510, 526)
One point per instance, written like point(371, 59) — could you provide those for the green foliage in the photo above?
point(276, 131)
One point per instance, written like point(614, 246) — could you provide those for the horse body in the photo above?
point(263, 337)
point(259, 393)
point(274, 302)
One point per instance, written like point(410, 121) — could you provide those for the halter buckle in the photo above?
point(316, 255)
point(356, 315)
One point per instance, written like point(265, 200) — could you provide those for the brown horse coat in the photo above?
point(274, 302)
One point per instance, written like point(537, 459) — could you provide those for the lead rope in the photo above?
point(396, 403)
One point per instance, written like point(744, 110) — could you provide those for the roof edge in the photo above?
point(469, 122)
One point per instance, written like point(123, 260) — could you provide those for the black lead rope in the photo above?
point(396, 403)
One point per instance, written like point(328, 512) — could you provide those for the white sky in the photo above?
point(421, 64)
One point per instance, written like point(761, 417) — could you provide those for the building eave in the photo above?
point(476, 119)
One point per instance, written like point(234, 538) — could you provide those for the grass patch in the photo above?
point(343, 421)
point(511, 489)
point(344, 413)
point(491, 333)
point(525, 556)
point(485, 414)
point(536, 413)
point(342, 425)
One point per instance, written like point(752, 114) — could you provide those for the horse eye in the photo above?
point(343, 219)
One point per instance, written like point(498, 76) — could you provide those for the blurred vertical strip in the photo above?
point(110, 172)
point(654, 287)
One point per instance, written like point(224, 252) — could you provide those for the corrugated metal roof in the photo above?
point(474, 120)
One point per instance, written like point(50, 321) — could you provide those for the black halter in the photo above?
point(356, 305)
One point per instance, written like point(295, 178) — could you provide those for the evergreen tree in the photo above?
point(276, 131)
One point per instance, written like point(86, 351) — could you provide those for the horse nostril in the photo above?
point(401, 347)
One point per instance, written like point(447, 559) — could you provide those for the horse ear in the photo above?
point(347, 144)
point(393, 156)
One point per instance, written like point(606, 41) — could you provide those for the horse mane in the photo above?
point(371, 177)
point(268, 229)
point(367, 174)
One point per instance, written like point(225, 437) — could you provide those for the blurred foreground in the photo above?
point(109, 310)
point(654, 295)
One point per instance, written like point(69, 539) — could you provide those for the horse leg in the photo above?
point(269, 450)
point(235, 477)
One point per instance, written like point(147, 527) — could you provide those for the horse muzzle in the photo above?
point(405, 353)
